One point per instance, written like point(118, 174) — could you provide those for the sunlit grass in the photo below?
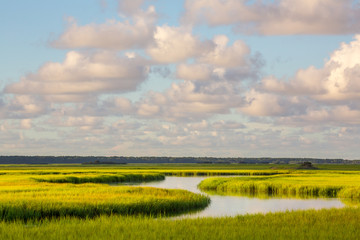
point(303, 225)
point(47, 195)
point(89, 200)
point(101, 178)
point(74, 202)
point(316, 184)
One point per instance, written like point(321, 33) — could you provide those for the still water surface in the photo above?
point(235, 205)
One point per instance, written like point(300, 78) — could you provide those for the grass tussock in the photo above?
point(108, 178)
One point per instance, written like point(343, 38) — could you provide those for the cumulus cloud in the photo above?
point(226, 56)
point(283, 17)
point(327, 95)
point(119, 104)
point(341, 115)
point(82, 75)
point(112, 34)
point(262, 104)
point(188, 100)
point(194, 71)
point(175, 44)
point(228, 125)
point(24, 106)
point(216, 106)
point(213, 79)
point(336, 82)
point(222, 61)
point(83, 122)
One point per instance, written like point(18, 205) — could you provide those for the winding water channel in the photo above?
point(234, 205)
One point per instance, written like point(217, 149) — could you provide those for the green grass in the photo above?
point(339, 224)
point(89, 200)
point(168, 172)
point(38, 195)
point(175, 166)
point(73, 202)
point(172, 169)
point(302, 184)
point(101, 178)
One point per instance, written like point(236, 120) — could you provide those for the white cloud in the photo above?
point(83, 75)
point(261, 104)
point(213, 81)
point(341, 115)
point(283, 17)
point(214, 107)
point(175, 44)
point(336, 82)
point(227, 125)
point(83, 122)
point(198, 126)
point(194, 71)
point(26, 123)
point(222, 61)
point(123, 105)
point(113, 34)
point(146, 109)
point(227, 56)
point(344, 114)
point(23, 106)
point(188, 100)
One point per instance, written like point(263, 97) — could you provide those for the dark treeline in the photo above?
point(199, 160)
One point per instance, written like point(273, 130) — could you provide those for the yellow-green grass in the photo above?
point(146, 166)
point(90, 200)
point(95, 211)
point(316, 184)
point(31, 196)
point(172, 169)
point(101, 178)
point(300, 225)
point(168, 172)
point(173, 166)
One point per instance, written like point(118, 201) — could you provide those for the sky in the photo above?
point(216, 78)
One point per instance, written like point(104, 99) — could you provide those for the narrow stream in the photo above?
point(234, 205)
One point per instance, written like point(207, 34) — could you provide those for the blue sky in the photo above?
point(180, 78)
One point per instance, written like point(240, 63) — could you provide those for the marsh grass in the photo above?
point(303, 225)
point(83, 194)
point(90, 200)
point(181, 170)
point(50, 199)
point(101, 178)
point(299, 185)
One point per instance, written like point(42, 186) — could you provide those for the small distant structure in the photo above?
point(105, 162)
point(307, 165)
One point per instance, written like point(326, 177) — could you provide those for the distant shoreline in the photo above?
point(151, 159)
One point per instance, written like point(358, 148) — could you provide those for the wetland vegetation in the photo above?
point(302, 184)
point(300, 225)
point(75, 202)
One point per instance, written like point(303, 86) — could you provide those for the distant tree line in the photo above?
point(199, 160)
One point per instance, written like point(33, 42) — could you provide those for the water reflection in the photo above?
point(234, 205)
